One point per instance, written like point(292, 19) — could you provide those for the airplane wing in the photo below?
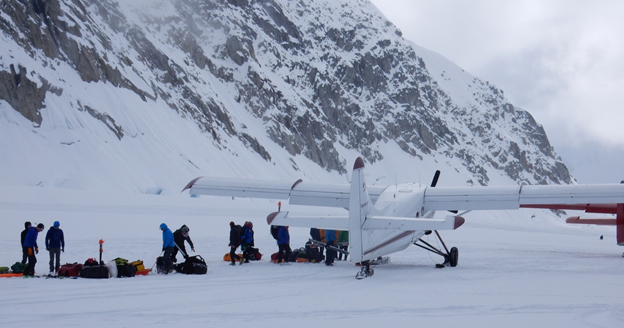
point(607, 199)
point(297, 192)
point(579, 197)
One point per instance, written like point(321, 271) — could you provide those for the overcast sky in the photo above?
point(562, 60)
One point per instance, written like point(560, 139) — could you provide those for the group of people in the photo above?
point(174, 242)
point(243, 237)
point(54, 244)
point(334, 239)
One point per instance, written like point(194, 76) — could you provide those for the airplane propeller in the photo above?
point(436, 176)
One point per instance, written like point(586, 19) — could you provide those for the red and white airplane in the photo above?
point(385, 220)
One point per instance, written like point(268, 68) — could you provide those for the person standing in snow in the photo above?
point(343, 243)
point(315, 234)
point(247, 239)
point(31, 244)
point(235, 241)
point(27, 226)
point(55, 244)
point(330, 238)
point(283, 242)
point(179, 236)
point(168, 246)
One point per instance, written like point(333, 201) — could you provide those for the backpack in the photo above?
point(313, 253)
point(253, 254)
point(92, 262)
point(160, 265)
point(18, 267)
point(274, 230)
point(237, 235)
point(120, 261)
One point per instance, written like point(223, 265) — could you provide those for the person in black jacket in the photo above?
point(27, 225)
point(235, 241)
point(179, 236)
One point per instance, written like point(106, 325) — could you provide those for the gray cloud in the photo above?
point(560, 59)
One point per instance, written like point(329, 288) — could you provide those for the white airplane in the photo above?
point(385, 220)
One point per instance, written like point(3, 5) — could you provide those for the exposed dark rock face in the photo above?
point(313, 85)
point(23, 94)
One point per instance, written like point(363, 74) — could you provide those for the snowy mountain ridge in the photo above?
point(141, 94)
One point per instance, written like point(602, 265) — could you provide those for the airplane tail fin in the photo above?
point(360, 207)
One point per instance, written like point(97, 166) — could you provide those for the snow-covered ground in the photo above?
point(521, 268)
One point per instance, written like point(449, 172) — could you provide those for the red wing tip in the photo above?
point(572, 219)
point(459, 221)
point(190, 184)
point(271, 217)
point(359, 163)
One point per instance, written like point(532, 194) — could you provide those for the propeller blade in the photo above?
point(436, 176)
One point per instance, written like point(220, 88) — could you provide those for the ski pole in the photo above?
point(181, 251)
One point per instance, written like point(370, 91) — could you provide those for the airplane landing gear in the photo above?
point(450, 257)
point(365, 271)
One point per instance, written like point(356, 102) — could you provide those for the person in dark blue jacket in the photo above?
point(27, 226)
point(31, 244)
point(247, 240)
point(168, 246)
point(55, 244)
point(283, 242)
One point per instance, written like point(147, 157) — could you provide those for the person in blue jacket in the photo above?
point(168, 246)
point(283, 242)
point(31, 244)
point(247, 239)
point(55, 244)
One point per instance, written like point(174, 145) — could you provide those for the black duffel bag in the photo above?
point(126, 270)
point(192, 265)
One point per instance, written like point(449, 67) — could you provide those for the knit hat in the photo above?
point(231, 223)
point(57, 224)
point(185, 229)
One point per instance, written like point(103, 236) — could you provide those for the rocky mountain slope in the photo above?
point(287, 81)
